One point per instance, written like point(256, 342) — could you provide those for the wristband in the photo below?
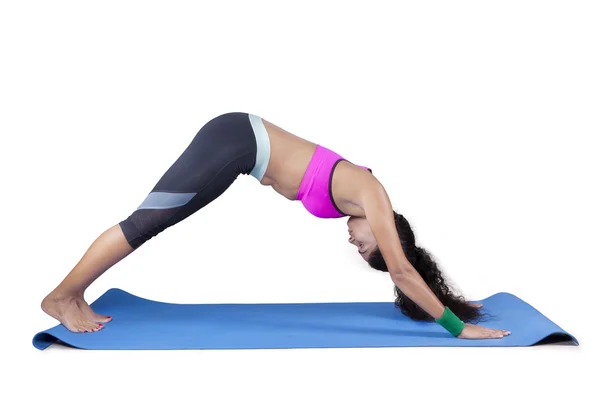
point(451, 322)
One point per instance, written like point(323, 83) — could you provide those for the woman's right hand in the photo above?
point(480, 332)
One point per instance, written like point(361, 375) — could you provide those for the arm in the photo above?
point(379, 213)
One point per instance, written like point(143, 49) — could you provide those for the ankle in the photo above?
point(66, 293)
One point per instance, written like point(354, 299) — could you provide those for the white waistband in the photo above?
point(263, 146)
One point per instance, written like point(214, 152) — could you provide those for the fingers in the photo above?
point(480, 332)
point(498, 333)
point(476, 305)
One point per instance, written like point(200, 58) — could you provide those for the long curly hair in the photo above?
point(429, 270)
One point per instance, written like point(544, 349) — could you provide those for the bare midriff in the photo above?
point(290, 156)
point(289, 159)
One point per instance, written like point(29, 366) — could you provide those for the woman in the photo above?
point(329, 187)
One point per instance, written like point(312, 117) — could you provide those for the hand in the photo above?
point(475, 305)
point(480, 332)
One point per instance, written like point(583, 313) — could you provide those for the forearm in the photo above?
point(379, 213)
point(414, 287)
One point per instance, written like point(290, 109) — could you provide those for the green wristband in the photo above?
point(451, 322)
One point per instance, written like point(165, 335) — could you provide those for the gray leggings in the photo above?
point(225, 147)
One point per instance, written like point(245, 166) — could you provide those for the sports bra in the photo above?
point(315, 188)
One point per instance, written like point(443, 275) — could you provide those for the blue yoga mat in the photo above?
point(141, 324)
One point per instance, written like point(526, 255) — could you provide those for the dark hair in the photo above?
point(427, 267)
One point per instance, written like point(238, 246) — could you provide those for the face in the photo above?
point(361, 236)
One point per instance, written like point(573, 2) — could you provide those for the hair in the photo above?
point(429, 270)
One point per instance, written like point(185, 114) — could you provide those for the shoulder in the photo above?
point(353, 186)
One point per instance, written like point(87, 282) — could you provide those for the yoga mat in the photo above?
point(141, 324)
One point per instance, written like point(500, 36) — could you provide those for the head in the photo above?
point(362, 237)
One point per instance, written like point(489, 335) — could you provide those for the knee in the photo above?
point(143, 225)
point(134, 237)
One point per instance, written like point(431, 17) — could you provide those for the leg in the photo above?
point(66, 303)
point(222, 149)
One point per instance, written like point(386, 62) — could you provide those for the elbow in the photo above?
point(398, 277)
point(401, 273)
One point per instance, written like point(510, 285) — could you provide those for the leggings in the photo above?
point(225, 147)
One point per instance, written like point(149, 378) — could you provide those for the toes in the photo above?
point(90, 314)
point(103, 319)
point(81, 326)
point(100, 318)
point(78, 324)
point(93, 326)
point(77, 327)
point(86, 326)
point(96, 317)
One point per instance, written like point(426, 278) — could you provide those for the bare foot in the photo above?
point(90, 314)
point(71, 312)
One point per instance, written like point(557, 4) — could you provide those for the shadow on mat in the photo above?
point(560, 339)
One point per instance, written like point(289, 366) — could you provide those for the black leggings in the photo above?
point(224, 148)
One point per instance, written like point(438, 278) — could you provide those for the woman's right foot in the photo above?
point(71, 311)
point(90, 314)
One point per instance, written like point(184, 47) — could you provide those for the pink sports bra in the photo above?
point(315, 188)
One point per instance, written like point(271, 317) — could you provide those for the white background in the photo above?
point(480, 119)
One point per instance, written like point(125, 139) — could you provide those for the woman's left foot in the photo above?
point(88, 312)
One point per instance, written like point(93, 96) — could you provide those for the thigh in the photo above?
point(225, 142)
point(218, 154)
